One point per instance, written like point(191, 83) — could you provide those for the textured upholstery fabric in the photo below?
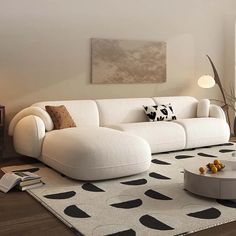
point(95, 153)
point(60, 117)
point(28, 136)
point(90, 152)
point(83, 112)
point(161, 136)
point(124, 110)
point(203, 108)
point(202, 132)
point(36, 111)
point(217, 112)
point(184, 106)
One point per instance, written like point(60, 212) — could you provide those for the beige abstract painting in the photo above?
point(128, 61)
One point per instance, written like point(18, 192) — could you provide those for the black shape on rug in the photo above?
point(205, 155)
point(189, 149)
point(153, 223)
point(31, 170)
point(179, 157)
point(156, 195)
point(63, 195)
point(208, 147)
point(91, 188)
point(128, 204)
point(135, 182)
point(210, 213)
point(74, 211)
point(226, 150)
point(129, 232)
point(226, 144)
point(159, 162)
point(158, 176)
point(227, 203)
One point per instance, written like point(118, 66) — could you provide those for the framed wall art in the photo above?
point(127, 61)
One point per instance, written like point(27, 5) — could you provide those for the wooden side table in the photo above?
point(2, 129)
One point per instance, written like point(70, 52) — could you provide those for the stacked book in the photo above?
point(28, 181)
point(20, 180)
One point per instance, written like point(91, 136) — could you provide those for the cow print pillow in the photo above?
point(160, 112)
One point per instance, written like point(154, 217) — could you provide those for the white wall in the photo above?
point(45, 46)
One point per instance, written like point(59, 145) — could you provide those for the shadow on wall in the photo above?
point(32, 67)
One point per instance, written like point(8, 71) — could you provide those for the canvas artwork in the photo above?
point(128, 61)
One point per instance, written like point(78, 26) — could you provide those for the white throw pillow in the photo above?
point(160, 112)
point(203, 108)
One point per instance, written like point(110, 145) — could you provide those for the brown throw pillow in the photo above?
point(60, 117)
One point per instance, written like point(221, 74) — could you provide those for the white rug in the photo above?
point(152, 203)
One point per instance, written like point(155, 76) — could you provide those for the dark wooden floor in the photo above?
point(22, 215)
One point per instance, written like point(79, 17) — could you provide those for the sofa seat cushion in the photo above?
point(95, 153)
point(162, 136)
point(202, 132)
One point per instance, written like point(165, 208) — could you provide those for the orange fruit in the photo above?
point(202, 170)
point(218, 166)
point(211, 165)
point(216, 162)
point(214, 169)
point(222, 165)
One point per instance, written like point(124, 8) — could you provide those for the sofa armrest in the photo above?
point(35, 111)
point(28, 136)
point(217, 112)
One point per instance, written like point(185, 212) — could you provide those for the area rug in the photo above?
point(151, 203)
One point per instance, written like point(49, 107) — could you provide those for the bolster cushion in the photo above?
point(203, 108)
point(35, 111)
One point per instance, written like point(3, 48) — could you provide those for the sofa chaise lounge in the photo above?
point(113, 137)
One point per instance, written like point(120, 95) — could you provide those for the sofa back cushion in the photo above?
point(83, 112)
point(123, 110)
point(183, 106)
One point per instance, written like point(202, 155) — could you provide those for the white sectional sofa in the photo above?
point(113, 137)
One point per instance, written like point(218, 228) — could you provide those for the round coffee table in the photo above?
point(221, 185)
